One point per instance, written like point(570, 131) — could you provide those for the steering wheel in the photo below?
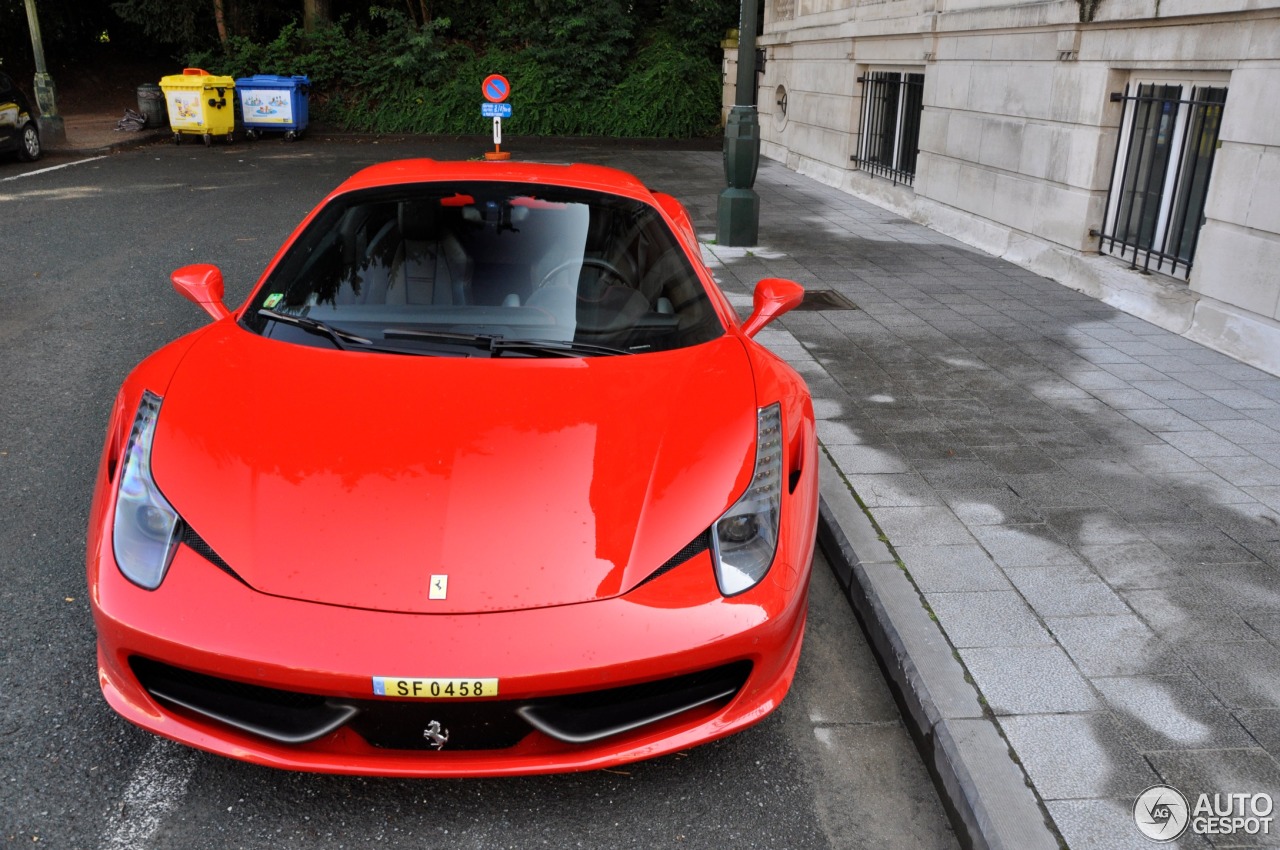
point(597, 262)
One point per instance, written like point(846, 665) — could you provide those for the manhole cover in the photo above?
point(825, 299)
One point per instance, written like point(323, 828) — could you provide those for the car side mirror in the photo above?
point(202, 284)
point(774, 296)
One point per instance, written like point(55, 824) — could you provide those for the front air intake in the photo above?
point(582, 718)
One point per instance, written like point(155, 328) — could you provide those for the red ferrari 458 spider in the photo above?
point(485, 477)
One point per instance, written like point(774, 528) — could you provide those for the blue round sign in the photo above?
point(495, 88)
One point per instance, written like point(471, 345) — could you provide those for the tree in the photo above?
point(315, 13)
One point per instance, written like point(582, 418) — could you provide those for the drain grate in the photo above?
point(825, 299)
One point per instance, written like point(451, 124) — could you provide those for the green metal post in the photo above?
point(738, 213)
point(52, 129)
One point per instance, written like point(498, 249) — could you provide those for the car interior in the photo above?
point(581, 266)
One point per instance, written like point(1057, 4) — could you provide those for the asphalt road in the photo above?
point(85, 252)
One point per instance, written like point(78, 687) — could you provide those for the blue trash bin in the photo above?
point(272, 102)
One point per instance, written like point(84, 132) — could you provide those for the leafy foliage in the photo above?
point(577, 68)
point(582, 67)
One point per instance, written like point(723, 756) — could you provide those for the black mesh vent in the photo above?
point(581, 718)
point(281, 716)
point(196, 543)
point(697, 545)
point(157, 675)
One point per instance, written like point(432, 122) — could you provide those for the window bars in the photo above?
point(889, 131)
point(1164, 157)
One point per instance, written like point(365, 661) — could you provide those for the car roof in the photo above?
point(578, 175)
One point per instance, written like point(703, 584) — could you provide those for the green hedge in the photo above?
point(397, 76)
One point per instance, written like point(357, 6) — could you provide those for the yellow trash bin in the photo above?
point(200, 104)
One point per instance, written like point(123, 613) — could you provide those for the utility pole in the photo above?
point(738, 214)
point(49, 121)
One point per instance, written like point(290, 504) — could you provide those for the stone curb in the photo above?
point(128, 141)
point(987, 793)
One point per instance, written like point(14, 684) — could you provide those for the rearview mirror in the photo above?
point(202, 284)
point(774, 296)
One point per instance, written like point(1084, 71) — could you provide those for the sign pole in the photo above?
point(52, 128)
point(497, 152)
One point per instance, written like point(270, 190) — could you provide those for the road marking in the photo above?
point(156, 789)
point(50, 168)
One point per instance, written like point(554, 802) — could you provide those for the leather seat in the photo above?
point(431, 266)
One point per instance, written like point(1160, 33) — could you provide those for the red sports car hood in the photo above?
point(355, 478)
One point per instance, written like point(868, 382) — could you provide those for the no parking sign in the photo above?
point(495, 88)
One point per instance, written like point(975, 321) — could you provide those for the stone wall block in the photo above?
point(976, 190)
point(988, 89)
point(1264, 40)
point(1160, 46)
point(1001, 144)
point(897, 51)
point(942, 176)
point(818, 109)
point(1080, 93)
point(964, 48)
point(1029, 90)
point(1038, 154)
point(1236, 170)
point(1036, 46)
point(1253, 102)
point(1065, 214)
point(934, 130)
point(964, 136)
point(1091, 151)
point(822, 144)
point(1177, 8)
point(1013, 197)
point(1238, 266)
point(1264, 204)
point(947, 86)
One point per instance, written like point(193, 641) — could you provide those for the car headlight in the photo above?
point(147, 528)
point(745, 538)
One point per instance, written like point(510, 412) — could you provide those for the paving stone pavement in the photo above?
point(1089, 504)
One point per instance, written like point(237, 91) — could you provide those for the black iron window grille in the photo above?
point(889, 129)
point(1164, 157)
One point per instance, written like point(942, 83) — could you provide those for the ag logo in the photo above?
point(1161, 813)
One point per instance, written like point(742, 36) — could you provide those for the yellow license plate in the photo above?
point(389, 686)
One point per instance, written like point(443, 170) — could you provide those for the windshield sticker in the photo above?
point(273, 299)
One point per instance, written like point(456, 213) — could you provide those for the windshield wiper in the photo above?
point(563, 347)
point(316, 326)
point(497, 344)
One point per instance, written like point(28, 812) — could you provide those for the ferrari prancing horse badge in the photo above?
point(439, 587)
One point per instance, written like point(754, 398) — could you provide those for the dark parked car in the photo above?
point(18, 130)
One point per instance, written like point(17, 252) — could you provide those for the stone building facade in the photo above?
point(1126, 148)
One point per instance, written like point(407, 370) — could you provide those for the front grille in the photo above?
point(295, 718)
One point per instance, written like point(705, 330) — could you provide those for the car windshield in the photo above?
point(482, 269)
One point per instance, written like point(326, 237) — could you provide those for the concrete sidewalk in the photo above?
point(1059, 524)
point(1087, 505)
point(95, 133)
